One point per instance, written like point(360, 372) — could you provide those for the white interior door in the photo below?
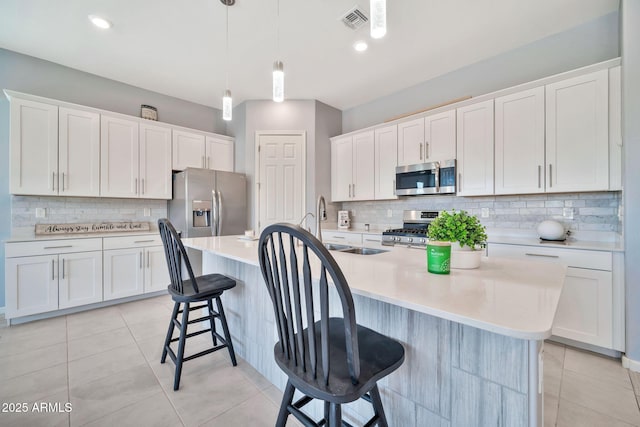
point(281, 177)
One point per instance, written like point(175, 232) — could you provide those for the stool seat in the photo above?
point(209, 286)
point(379, 356)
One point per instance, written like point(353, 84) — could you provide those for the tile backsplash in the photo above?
point(63, 210)
point(577, 211)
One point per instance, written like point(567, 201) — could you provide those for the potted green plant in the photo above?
point(466, 234)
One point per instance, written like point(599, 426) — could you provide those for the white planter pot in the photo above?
point(464, 258)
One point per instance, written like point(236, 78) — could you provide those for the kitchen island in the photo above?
point(473, 339)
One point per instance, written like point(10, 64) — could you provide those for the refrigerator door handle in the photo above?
point(214, 213)
point(219, 213)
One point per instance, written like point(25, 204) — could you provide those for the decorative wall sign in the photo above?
point(96, 227)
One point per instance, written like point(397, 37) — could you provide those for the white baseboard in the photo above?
point(633, 365)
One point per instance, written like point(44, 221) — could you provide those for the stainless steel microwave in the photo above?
point(426, 178)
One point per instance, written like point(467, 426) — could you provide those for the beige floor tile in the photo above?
point(104, 364)
point(14, 338)
point(100, 342)
point(155, 325)
point(597, 366)
point(91, 322)
point(51, 414)
point(274, 394)
point(258, 411)
point(552, 368)
point(550, 410)
point(96, 399)
point(635, 381)
point(253, 375)
point(143, 311)
point(601, 396)
point(156, 411)
point(32, 361)
point(573, 415)
point(35, 385)
point(204, 396)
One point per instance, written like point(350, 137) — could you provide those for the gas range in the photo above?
point(413, 231)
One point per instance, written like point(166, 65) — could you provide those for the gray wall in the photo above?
point(630, 36)
point(589, 43)
point(38, 77)
point(328, 124)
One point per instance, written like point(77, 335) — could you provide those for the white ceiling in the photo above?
point(178, 47)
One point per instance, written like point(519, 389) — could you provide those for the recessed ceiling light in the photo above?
point(360, 46)
point(100, 22)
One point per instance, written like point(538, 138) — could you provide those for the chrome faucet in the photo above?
point(320, 213)
point(304, 218)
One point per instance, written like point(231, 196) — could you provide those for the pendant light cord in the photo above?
point(227, 67)
point(278, 28)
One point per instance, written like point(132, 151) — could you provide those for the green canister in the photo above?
point(438, 257)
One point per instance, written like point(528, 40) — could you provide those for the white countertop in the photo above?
point(570, 243)
point(506, 296)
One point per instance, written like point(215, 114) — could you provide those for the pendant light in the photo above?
point(278, 67)
point(227, 103)
point(378, 10)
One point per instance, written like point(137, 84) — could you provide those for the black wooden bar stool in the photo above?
point(331, 359)
point(202, 289)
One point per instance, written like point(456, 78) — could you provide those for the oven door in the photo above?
point(426, 178)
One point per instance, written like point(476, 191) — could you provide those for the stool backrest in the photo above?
point(175, 254)
point(289, 258)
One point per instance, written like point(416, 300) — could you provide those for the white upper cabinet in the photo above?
point(341, 169)
point(155, 161)
point(577, 133)
point(475, 149)
point(119, 157)
point(33, 148)
point(188, 150)
point(615, 129)
point(386, 160)
point(219, 153)
point(440, 136)
point(411, 142)
point(78, 153)
point(519, 143)
point(352, 167)
point(199, 150)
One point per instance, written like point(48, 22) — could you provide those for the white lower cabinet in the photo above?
point(342, 238)
point(371, 240)
point(134, 265)
point(61, 279)
point(592, 301)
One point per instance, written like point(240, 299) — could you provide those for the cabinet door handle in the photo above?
point(62, 181)
point(136, 185)
point(140, 257)
point(62, 268)
point(208, 162)
point(539, 176)
point(353, 190)
point(142, 192)
point(349, 190)
point(203, 164)
point(459, 182)
point(339, 237)
point(371, 240)
point(53, 270)
point(420, 150)
point(58, 247)
point(550, 177)
point(53, 182)
point(148, 257)
point(426, 150)
point(542, 255)
point(144, 241)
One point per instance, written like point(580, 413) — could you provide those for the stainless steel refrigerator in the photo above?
point(208, 203)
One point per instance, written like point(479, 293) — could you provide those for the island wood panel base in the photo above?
point(453, 374)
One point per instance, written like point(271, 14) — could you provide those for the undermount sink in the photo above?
point(336, 247)
point(364, 251)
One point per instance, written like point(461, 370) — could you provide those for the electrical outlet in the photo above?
point(41, 212)
point(389, 213)
point(147, 211)
point(568, 203)
point(567, 213)
point(485, 213)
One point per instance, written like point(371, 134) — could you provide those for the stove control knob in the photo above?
point(423, 240)
point(410, 239)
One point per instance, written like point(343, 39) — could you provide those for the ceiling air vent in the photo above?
point(354, 18)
